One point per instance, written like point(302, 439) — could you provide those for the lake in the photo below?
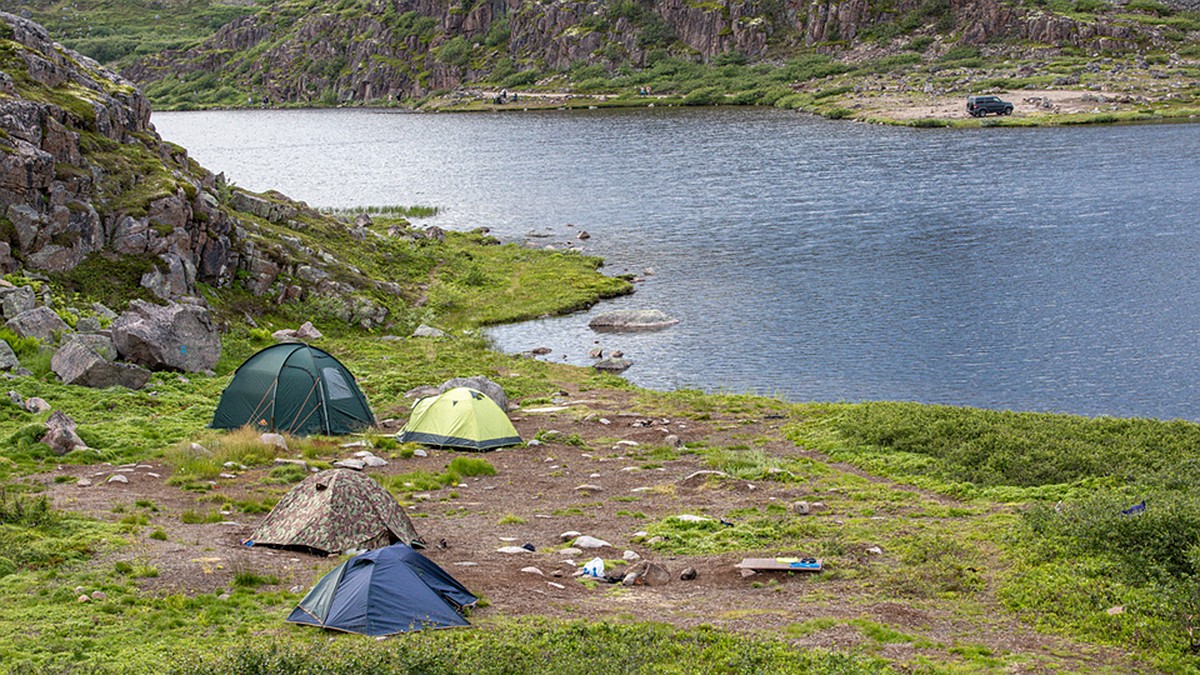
point(1046, 269)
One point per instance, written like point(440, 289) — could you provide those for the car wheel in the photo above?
point(1008, 111)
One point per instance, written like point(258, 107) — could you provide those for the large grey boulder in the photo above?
point(40, 322)
point(60, 434)
point(482, 385)
point(8, 358)
point(171, 337)
point(17, 300)
point(631, 320)
point(612, 365)
point(78, 364)
point(97, 342)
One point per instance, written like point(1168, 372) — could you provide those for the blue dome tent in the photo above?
point(382, 592)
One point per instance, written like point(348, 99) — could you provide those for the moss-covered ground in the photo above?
point(1000, 535)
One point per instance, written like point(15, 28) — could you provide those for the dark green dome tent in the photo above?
point(293, 388)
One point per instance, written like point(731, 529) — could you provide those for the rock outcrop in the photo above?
point(407, 48)
point(82, 171)
point(84, 178)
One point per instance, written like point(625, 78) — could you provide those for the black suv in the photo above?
point(979, 106)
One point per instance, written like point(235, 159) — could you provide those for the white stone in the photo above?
point(569, 535)
point(588, 487)
point(690, 518)
point(554, 585)
point(276, 440)
point(117, 478)
point(631, 556)
point(586, 541)
point(875, 550)
point(571, 551)
point(420, 453)
point(533, 570)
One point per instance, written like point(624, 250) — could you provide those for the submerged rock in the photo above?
point(632, 320)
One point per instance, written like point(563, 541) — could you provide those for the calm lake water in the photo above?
point(1026, 269)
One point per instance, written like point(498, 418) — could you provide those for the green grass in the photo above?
point(535, 647)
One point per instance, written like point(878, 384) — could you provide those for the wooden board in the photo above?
point(779, 564)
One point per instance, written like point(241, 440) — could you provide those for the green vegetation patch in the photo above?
point(969, 450)
point(533, 647)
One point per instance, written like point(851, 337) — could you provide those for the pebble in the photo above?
point(569, 535)
point(533, 570)
point(604, 420)
point(571, 552)
point(420, 453)
point(467, 563)
point(588, 487)
point(688, 574)
point(512, 550)
point(83, 482)
point(83, 598)
point(554, 585)
point(875, 550)
point(117, 478)
point(99, 595)
point(630, 555)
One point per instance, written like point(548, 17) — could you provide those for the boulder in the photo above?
point(481, 384)
point(648, 573)
point(171, 337)
point(78, 364)
point(36, 405)
point(19, 300)
point(631, 320)
point(40, 322)
point(307, 331)
point(8, 358)
point(612, 365)
point(60, 434)
point(99, 343)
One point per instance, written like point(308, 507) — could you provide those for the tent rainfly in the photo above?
point(459, 418)
point(383, 592)
point(336, 510)
point(293, 388)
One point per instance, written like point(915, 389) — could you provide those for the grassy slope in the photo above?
point(907, 63)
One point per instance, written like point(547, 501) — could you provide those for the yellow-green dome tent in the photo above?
point(459, 418)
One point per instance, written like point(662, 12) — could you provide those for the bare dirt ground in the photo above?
point(537, 494)
point(1026, 103)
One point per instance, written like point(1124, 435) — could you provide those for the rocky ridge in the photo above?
point(388, 49)
point(84, 177)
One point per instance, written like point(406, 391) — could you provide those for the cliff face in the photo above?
point(383, 49)
point(83, 174)
point(81, 171)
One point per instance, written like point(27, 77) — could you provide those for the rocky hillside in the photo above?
point(382, 50)
point(91, 196)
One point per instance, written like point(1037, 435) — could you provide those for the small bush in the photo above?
point(470, 466)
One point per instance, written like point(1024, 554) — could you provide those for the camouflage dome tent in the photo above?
point(335, 510)
point(293, 388)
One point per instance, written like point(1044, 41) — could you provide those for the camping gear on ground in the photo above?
point(780, 564)
point(336, 510)
point(293, 388)
point(459, 418)
point(594, 567)
point(382, 592)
